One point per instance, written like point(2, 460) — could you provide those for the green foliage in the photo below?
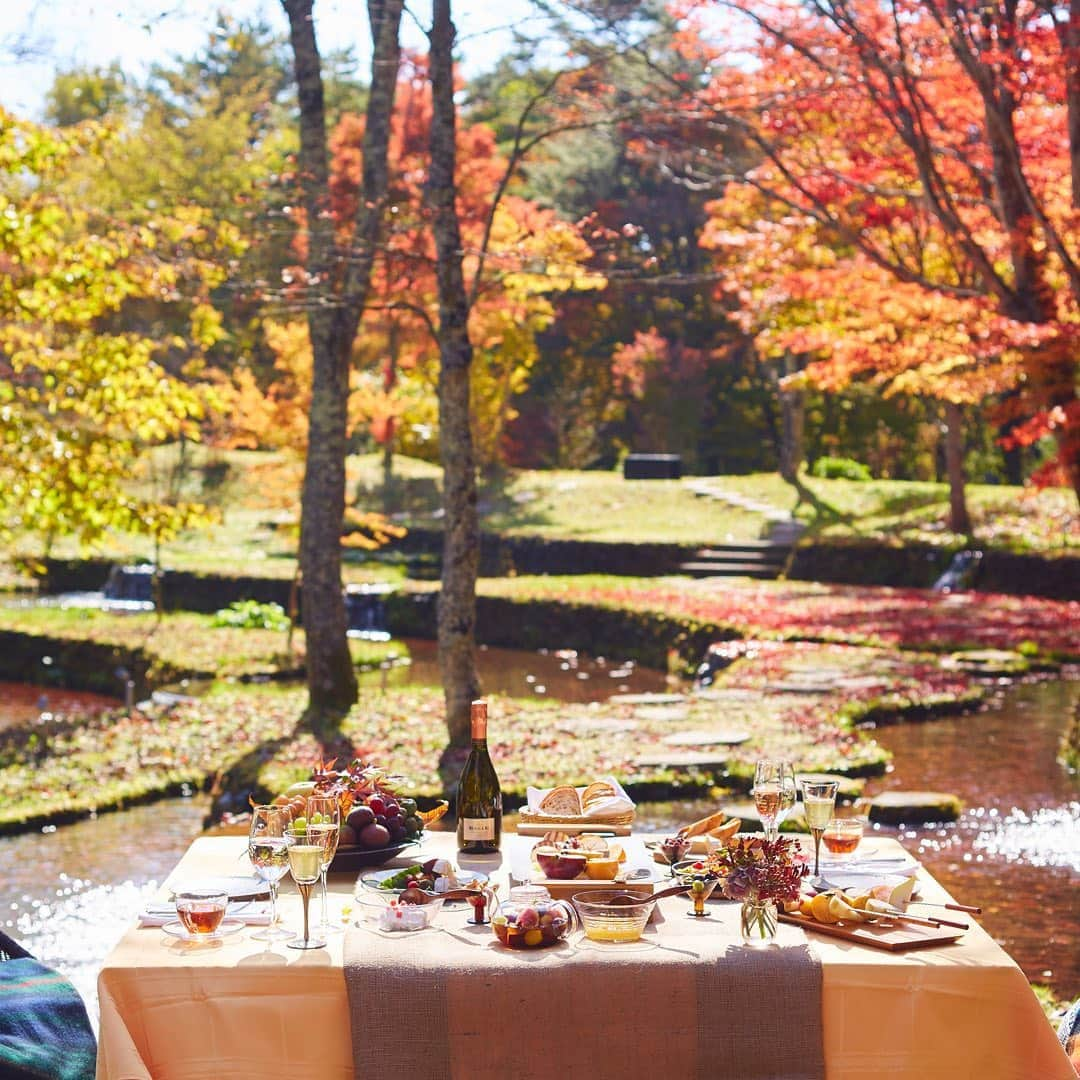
point(79, 94)
point(82, 390)
point(251, 615)
point(840, 468)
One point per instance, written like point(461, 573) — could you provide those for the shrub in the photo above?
point(251, 615)
point(840, 468)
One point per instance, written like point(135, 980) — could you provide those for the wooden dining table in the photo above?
point(241, 1008)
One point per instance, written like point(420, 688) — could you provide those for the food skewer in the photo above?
point(951, 907)
point(918, 920)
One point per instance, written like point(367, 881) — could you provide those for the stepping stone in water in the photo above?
point(599, 724)
point(646, 699)
point(720, 694)
point(681, 759)
point(914, 807)
point(662, 713)
point(729, 737)
point(859, 682)
point(987, 662)
point(794, 687)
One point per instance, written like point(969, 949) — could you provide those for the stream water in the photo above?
point(68, 893)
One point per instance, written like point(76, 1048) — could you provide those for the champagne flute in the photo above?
point(789, 793)
point(268, 848)
point(819, 801)
point(305, 864)
point(324, 817)
point(774, 794)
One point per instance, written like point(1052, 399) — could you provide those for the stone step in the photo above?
point(715, 569)
point(762, 555)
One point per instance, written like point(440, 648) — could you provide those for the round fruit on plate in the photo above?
point(378, 818)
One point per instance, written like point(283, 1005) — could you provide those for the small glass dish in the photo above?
point(396, 915)
point(201, 911)
point(611, 915)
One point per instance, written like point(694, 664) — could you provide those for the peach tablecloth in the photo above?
point(240, 1010)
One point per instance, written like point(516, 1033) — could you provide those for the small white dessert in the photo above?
point(445, 878)
point(399, 916)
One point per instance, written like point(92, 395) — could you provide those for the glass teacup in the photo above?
point(842, 836)
point(201, 910)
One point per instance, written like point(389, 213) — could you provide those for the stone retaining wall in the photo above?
point(645, 637)
point(919, 565)
point(80, 665)
point(502, 555)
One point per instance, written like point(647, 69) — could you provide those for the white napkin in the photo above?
point(614, 804)
point(252, 912)
point(901, 866)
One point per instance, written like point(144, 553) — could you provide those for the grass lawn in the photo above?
point(185, 641)
point(255, 496)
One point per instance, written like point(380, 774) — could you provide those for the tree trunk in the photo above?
point(340, 286)
point(389, 382)
point(461, 543)
point(793, 425)
point(959, 521)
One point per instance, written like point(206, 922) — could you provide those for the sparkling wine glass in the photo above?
point(305, 864)
point(324, 819)
point(774, 794)
point(819, 801)
point(789, 793)
point(268, 847)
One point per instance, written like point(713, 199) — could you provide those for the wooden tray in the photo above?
point(535, 828)
point(894, 937)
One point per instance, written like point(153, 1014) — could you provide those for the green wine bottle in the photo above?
point(479, 800)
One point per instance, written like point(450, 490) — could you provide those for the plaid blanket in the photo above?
point(45, 1033)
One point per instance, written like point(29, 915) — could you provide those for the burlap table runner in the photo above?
point(448, 1003)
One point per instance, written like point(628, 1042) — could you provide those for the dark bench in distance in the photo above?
point(652, 467)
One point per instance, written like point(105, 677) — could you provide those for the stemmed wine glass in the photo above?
point(774, 794)
point(819, 801)
point(324, 818)
point(268, 850)
point(305, 848)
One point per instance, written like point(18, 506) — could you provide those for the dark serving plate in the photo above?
point(357, 858)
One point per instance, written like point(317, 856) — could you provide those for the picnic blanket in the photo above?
point(45, 1033)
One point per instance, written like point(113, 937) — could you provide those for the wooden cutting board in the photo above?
point(895, 937)
point(562, 890)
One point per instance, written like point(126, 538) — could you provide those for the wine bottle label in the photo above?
point(478, 828)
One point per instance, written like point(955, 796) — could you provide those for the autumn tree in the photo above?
point(918, 159)
point(81, 394)
point(335, 292)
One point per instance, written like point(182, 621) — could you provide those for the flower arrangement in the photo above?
point(752, 868)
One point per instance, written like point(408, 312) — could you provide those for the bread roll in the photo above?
point(561, 802)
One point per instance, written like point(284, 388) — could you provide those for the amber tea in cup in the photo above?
point(842, 836)
point(201, 910)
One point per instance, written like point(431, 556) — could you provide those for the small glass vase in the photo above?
point(757, 921)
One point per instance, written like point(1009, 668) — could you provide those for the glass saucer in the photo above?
point(225, 928)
